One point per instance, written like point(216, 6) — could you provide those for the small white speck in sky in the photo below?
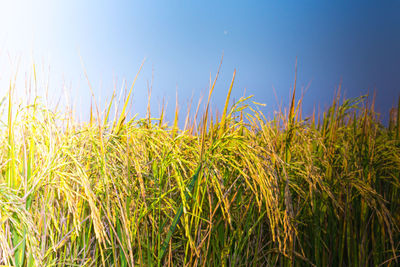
point(226, 32)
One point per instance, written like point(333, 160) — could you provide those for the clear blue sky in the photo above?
point(357, 42)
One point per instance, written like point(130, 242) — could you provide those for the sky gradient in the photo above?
point(355, 43)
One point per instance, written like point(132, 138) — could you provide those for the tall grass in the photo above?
point(234, 190)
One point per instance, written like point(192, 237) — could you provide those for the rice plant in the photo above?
point(229, 190)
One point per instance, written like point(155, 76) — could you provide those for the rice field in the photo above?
point(227, 189)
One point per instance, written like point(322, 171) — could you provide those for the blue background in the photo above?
point(355, 43)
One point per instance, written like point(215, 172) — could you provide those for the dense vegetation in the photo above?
point(230, 189)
